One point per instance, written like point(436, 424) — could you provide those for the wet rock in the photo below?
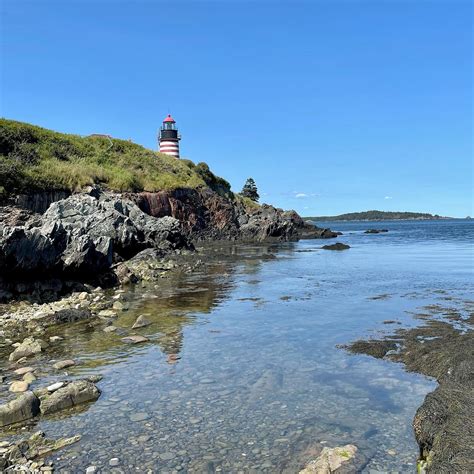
point(135, 339)
point(29, 377)
point(118, 305)
point(114, 462)
point(330, 459)
point(375, 231)
point(72, 394)
point(55, 339)
point(110, 329)
point(22, 408)
point(18, 386)
point(141, 322)
point(62, 364)
point(23, 370)
point(336, 246)
point(26, 455)
point(375, 348)
point(27, 348)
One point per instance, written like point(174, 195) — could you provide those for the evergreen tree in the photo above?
point(250, 190)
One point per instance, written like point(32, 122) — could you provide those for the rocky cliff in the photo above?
point(86, 236)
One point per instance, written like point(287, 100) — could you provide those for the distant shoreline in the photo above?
point(381, 216)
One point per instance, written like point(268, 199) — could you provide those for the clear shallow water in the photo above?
point(243, 372)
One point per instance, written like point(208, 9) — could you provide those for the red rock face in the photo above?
point(202, 212)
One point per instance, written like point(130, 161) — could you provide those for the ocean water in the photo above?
point(244, 372)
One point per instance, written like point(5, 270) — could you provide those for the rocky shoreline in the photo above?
point(106, 239)
point(443, 348)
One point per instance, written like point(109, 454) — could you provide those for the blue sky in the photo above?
point(331, 106)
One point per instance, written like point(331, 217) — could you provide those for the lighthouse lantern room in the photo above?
point(169, 137)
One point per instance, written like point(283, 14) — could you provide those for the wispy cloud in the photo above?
point(388, 197)
point(300, 195)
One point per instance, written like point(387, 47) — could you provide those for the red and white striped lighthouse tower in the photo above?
point(169, 137)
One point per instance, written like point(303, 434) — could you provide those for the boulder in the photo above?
point(22, 408)
point(69, 395)
point(27, 348)
point(81, 234)
point(336, 246)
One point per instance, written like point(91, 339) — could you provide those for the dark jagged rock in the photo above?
point(79, 236)
point(206, 215)
point(336, 246)
point(375, 231)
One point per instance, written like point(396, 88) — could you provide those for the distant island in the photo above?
point(378, 216)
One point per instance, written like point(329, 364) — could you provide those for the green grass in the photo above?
point(36, 159)
point(248, 204)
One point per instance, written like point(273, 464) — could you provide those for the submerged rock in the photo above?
point(375, 231)
point(330, 460)
point(62, 364)
point(135, 339)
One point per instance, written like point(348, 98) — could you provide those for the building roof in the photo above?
point(169, 119)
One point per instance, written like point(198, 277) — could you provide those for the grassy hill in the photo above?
point(35, 159)
point(376, 216)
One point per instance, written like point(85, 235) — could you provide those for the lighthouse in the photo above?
point(169, 137)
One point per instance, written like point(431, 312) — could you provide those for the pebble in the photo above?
point(91, 469)
point(54, 386)
point(114, 462)
point(55, 338)
point(167, 456)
